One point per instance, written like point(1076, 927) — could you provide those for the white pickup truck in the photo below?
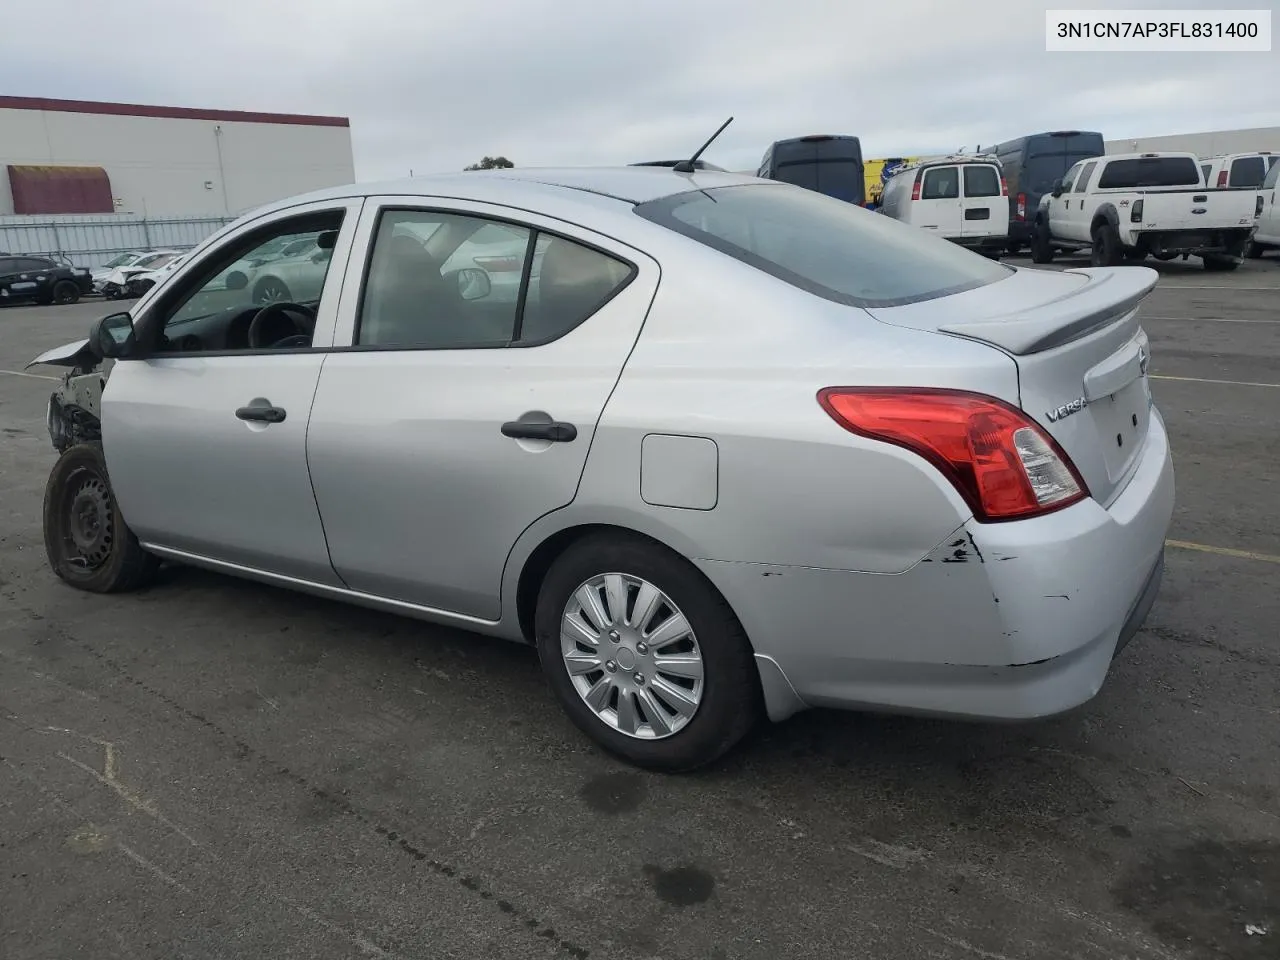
point(1126, 207)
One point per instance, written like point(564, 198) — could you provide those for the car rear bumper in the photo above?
point(1003, 621)
point(1230, 241)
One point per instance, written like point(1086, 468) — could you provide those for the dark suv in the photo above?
point(41, 279)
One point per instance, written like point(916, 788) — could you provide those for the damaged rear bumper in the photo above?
point(1004, 621)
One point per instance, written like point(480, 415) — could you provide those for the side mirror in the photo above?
point(112, 337)
point(473, 284)
point(237, 280)
point(1057, 189)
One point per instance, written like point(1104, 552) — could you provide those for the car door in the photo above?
point(983, 207)
point(1269, 221)
point(204, 431)
point(451, 421)
point(1077, 217)
point(938, 209)
point(1060, 206)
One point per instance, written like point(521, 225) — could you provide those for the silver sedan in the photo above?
point(733, 449)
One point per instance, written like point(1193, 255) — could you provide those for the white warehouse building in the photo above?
point(1211, 143)
point(62, 157)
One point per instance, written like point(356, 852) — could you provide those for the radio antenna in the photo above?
point(688, 166)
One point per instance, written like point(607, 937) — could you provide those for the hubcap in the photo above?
point(632, 656)
point(270, 293)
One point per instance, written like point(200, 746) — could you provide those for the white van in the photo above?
point(1243, 170)
point(1267, 236)
point(962, 198)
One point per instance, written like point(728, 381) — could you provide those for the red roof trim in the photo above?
point(169, 113)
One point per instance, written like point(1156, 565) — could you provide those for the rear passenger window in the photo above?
point(981, 181)
point(569, 282)
point(1083, 183)
point(440, 280)
point(1272, 176)
point(941, 183)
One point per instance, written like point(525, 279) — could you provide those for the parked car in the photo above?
point(1032, 164)
point(115, 285)
point(1134, 205)
point(1244, 171)
point(829, 460)
point(960, 198)
point(1267, 235)
point(100, 273)
point(42, 280)
point(826, 163)
point(140, 283)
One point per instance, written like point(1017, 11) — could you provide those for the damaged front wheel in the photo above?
point(85, 537)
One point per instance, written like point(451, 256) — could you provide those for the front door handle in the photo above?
point(267, 414)
point(557, 431)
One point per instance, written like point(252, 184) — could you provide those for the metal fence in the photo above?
point(89, 241)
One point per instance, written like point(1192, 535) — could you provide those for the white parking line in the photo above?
point(1231, 383)
point(33, 376)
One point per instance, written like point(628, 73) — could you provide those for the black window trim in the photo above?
point(660, 211)
point(530, 250)
point(1084, 176)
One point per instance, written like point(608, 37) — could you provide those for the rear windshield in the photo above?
point(1247, 172)
point(832, 249)
point(1150, 172)
point(981, 181)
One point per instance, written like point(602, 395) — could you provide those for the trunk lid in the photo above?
point(1081, 356)
point(1183, 209)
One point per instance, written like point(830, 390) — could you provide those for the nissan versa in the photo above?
point(716, 445)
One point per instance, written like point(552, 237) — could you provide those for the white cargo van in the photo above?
point(1267, 216)
point(962, 198)
point(1237, 170)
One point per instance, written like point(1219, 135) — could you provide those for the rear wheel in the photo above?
point(1254, 250)
point(1107, 251)
point(1134, 255)
point(644, 654)
point(85, 537)
point(66, 291)
point(271, 290)
point(1041, 244)
point(1220, 264)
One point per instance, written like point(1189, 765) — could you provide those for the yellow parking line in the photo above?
point(1222, 551)
point(1232, 383)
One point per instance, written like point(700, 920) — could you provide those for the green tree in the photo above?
point(491, 163)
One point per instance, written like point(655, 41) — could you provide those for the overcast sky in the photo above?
point(433, 85)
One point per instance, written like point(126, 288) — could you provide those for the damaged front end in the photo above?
point(75, 407)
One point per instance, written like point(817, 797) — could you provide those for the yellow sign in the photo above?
point(878, 172)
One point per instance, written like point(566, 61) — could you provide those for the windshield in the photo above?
point(151, 260)
point(122, 260)
point(830, 248)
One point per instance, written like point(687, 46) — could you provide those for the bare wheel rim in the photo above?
point(632, 656)
point(89, 530)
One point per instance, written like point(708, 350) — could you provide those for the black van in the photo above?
point(830, 164)
point(1031, 165)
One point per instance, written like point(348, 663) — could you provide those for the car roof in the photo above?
point(628, 184)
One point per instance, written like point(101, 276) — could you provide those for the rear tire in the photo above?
point(65, 292)
point(1254, 250)
point(1134, 255)
point(1107, 251)
point(1220, 264)
point(728, 700)
point(1041, 244)
point(86, 539)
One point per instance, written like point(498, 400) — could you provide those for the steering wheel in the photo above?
point(281, 325)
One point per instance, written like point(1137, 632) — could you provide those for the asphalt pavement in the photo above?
point(213, 768)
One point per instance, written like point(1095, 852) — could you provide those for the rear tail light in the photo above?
point(1257, 206)
point(915, 189)
point(1135, 212)
point(1022, 206)
point(1004, 187)
point(1222, 179)
point(1003, 464)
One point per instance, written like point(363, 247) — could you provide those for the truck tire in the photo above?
point(1220, 264)
point(86, 539)
point(1041, 244)
point(1134, 255)
point(1107, 250)
point(1254, 250)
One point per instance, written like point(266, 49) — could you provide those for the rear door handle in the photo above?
point(557, 431)
point(266, 414)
